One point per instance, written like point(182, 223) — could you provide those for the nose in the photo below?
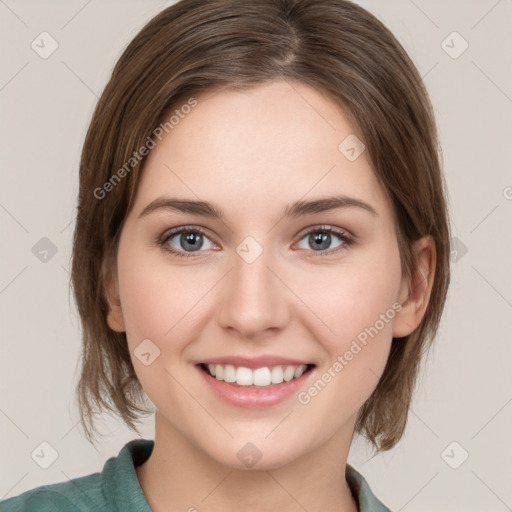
point(255, 300)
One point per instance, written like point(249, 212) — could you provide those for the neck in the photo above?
point(180, 476)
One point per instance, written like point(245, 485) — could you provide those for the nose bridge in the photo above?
point(255, 299)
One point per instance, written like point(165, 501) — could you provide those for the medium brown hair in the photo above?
point(334, 46)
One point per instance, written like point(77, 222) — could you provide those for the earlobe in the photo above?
point(415, 294)
point(115, 318)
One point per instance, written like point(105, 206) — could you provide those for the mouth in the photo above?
point(255, 383)
point(260, 377)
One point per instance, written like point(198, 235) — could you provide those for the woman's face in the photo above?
point(264, 291)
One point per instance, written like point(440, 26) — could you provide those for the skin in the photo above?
point(252, 153)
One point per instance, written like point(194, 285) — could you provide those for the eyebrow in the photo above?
point(296, 209)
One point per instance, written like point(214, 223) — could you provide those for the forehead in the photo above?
point(278, 141)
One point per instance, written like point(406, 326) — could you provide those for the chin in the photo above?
point(259, 451)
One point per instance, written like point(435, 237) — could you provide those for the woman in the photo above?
point(262, 250)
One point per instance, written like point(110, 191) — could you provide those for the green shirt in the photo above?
point(117, 489)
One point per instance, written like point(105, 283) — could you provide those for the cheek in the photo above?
point(355, 299)
point(157, 299)
point(359, 305)
point(160, 303)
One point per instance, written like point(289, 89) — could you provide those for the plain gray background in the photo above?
point(465, 394)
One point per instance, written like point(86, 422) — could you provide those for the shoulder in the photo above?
point(116, 488)
point(77, 495)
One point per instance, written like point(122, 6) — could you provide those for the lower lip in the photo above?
point(254, 397)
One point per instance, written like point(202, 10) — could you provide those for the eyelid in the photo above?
point(326, 227)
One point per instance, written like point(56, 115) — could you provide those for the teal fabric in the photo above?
point(116, 488)
point(361, 491)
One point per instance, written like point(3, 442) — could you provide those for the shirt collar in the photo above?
point(366, 500)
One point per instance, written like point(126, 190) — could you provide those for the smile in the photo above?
point(261, 377)
point(255, 382)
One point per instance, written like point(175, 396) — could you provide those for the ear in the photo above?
point(115, 318)
point(415, 293)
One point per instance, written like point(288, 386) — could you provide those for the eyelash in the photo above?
point(162, 241)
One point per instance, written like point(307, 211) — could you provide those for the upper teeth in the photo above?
point(264, 376)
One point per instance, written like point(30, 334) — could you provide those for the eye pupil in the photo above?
point(321, 238)
point(191, 241)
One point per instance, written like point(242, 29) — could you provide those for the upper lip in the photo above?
point(254, 362)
